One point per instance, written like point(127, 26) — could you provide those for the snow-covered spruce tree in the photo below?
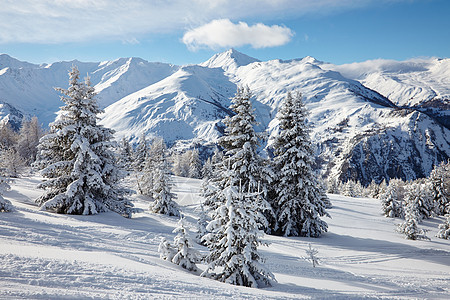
point(391, 205)
point(76, 158)
point(202, 223)
point(410, 226)
point(234, 239)
point(299, 198)
point(8, 137)
point(140, 156)
point(186, 256)
point(161, 191)
point(11, 162)
point(125, 155)
point(444, 229)
point(421, 194)
point(439, 182)
point(332, 186)
point(154, 158)
point(249, 171)
point(5, 205)
point(195, 164)
point(207, 169)
point(28, 140)
point(212, 183)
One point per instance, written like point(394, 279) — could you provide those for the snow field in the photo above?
point(49, 256)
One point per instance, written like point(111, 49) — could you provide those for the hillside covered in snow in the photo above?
point(54, 256)
point(370, 121)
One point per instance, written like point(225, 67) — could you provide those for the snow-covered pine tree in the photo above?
point(410, 226)
point(207, 169)
point(202, 223)
point(11, 162)
point(125, 155)
point(166, 250)
point(140, 156)
point(186, 256)
point(249, 170)
point(234, 239)
point(154, 158)
point(8, 137)
point(212, 184)
point(332, 186)
point(195, 164)
point(161, 191)
point(76, 158)
point(444, 228)
point(390, 203)
point(300, 200)
point(439, 182)
point(5, 205)
point(28, 140)
point(420, 192)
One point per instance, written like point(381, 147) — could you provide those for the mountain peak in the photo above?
point(11, 62)
point(229, 60)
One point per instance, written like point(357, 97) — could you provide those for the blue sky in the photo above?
point(182, 32)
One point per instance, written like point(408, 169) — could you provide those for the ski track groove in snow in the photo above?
point(49, 256)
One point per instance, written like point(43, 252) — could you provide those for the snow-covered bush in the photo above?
point(166, 250)
point(312, 255)
point(186, 256)
point(444, 229)
point(5, 205)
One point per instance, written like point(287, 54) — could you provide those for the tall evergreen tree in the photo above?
point(163, 197)
point(300, 201)
point(390, 202)
point(233, 240)
point(140, 156)
point(439, 181)
point(28, 140)
point(195, 164)
point(77, 160)
point(244, 167)
point(410, 227)
point(125, 155)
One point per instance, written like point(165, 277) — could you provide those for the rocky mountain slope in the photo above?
point(362, 127)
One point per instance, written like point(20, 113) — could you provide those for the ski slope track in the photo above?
point(370, 121)
point(45, 255)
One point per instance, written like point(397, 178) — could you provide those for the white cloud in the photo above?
point(56, 21)
point(223, 33)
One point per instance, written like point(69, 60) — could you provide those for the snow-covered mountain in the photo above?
point(370, 120)
point(30, 88)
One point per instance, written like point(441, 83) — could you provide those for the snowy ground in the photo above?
point(48, 256)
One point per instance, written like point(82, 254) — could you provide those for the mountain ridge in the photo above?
point(185, 105)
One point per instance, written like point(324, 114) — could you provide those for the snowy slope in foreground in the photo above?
point(49, 256)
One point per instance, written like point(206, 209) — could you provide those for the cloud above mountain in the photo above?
point(57, 21)
point(223, 33)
